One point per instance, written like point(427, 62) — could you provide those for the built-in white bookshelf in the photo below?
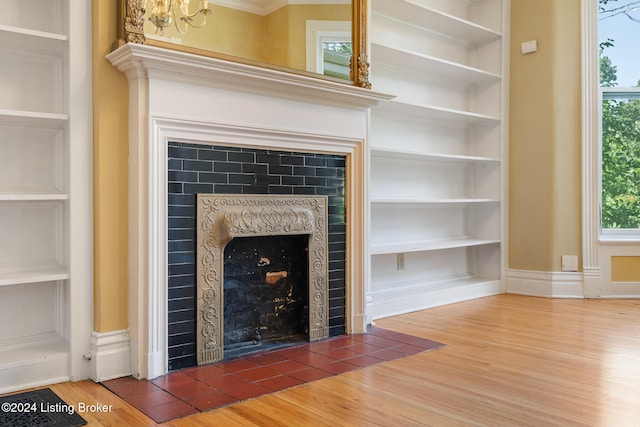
point(44, 177)
point(437, 153)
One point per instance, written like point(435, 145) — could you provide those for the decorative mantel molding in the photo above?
point(136, 60)
point(224, 217)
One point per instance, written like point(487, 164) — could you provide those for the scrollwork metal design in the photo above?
point(223, 217)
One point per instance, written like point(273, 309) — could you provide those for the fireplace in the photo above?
point(214, 169)
point(222, 218)
point(237, 106)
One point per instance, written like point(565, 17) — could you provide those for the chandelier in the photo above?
point(166, 12)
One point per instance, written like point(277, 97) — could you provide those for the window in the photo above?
point(329, 48)
point(619, 28)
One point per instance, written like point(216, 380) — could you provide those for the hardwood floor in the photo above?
point(508, 360)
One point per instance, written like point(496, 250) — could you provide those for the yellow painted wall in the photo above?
point(286, 31)
point(228, 31)
point(545, 135)
point(625, 269)
point(110, 145)
point(277, 35)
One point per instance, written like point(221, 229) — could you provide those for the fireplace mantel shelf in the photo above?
point(142, 61)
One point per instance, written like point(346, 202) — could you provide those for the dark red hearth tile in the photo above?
point(119, 381)
point(293, 352)
point(323, 346)
point(257, 374)
point(185, 391)
point(148, 400)
point(417, 341)
point(314, 359)
point(247, 391)
point(170, 411)
point(288, 366)
point(379, 332)
point(204, 372)
point(281, 382)
point(226, 382)
point(173, 378)
point(363, 361)
point(338, 367)
point(340, 354)
point(408, 349)
point(363, 348)
point(202, 388)
point(311, 374)
point(135, 387)
point(343, 341)
point(238, 365)
point(360, 338)
point(381, 342)
point(266, 358)
point(182, 385)
point(211, 401)
point(387, 354)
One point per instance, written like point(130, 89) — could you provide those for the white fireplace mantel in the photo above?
point(137, 60)
point(176, 96)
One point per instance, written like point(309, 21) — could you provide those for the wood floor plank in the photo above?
point(509, 360)
point(117, 413)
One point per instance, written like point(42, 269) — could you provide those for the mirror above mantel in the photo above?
point(319, 38)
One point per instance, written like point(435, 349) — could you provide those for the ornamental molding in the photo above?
point(221, 218)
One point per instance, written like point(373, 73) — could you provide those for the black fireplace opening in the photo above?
point(214, 169)
point(266, 298)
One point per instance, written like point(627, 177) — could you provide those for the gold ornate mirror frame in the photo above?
point(131, 23)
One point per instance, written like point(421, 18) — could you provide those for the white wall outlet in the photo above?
point(529, 46)
point(400, 262)
point(569, 262)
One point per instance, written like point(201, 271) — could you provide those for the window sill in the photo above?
point(631, 237)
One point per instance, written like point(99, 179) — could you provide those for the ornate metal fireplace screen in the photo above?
point(221, 218)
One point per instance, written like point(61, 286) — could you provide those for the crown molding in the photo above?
point(265, 7)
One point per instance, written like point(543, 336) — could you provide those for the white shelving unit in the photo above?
point(45, 188)
point(437, 149)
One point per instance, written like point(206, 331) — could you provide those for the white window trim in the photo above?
point(598, 246)
point(323, 31)
point(616, 92)
point(591, 128)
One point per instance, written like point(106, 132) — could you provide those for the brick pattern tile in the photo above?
point(197, 168)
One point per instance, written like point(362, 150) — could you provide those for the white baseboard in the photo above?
point(404, 300)
point(110, 355)
point(553, 284)
point(623, 290)
point(36, 372)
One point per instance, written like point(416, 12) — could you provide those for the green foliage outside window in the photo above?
point(621, 164)
point(620, 142)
